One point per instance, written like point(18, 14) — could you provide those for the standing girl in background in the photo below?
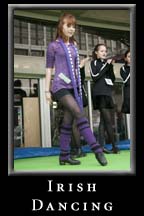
point(103, 76)
point(66, 88)
point(125, 74)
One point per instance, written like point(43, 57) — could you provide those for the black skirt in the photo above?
point(62, 92)
point(102, 101)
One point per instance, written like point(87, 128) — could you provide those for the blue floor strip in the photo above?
point(38, 151)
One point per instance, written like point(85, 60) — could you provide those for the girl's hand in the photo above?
point(83, 61)
point(48, 97)
point(109, 61)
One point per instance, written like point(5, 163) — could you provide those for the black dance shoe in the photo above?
point(101, 158)
point(115, 150)
point(78, 153)
point(69, 161)
point(106, 151)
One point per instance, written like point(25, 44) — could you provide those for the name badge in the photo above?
point(108, 81)
point(64, 78)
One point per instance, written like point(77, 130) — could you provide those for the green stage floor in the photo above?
point(116, 162)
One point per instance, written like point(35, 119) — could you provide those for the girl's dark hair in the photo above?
point(125, 55)
point(71, 20)
point(94, 56)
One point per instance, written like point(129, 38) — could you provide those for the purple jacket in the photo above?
point(55, 57)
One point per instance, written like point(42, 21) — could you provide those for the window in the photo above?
point(20, 32)
point(77, 36)
point(95, 39)
point(37, 34)
point(21, 52)
point(37, 53)
point(48, 34)
point(90, 42)
point(36, 44)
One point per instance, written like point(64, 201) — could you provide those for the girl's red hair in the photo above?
point(70, 20)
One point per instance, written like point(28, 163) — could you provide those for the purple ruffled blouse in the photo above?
point(56, 58)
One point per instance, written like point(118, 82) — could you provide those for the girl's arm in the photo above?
point(50, 58)
point(123, 73)
point(47, 84)
point(112, 75)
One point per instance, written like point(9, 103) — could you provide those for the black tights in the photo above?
point(71, 113)
point(71, 109)
point(106, 125)
point(76, 138)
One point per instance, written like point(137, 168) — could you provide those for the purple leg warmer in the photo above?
point(89, 137)
point(65, 139)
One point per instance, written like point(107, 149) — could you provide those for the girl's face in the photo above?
point(101, 52)
point(127, 58)
point(68, 29)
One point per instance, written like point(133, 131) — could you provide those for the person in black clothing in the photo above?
point(18, 93)
point(103, 76)
point(35, 90)
point(125, 74)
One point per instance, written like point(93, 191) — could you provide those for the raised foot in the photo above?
point(101, 158)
